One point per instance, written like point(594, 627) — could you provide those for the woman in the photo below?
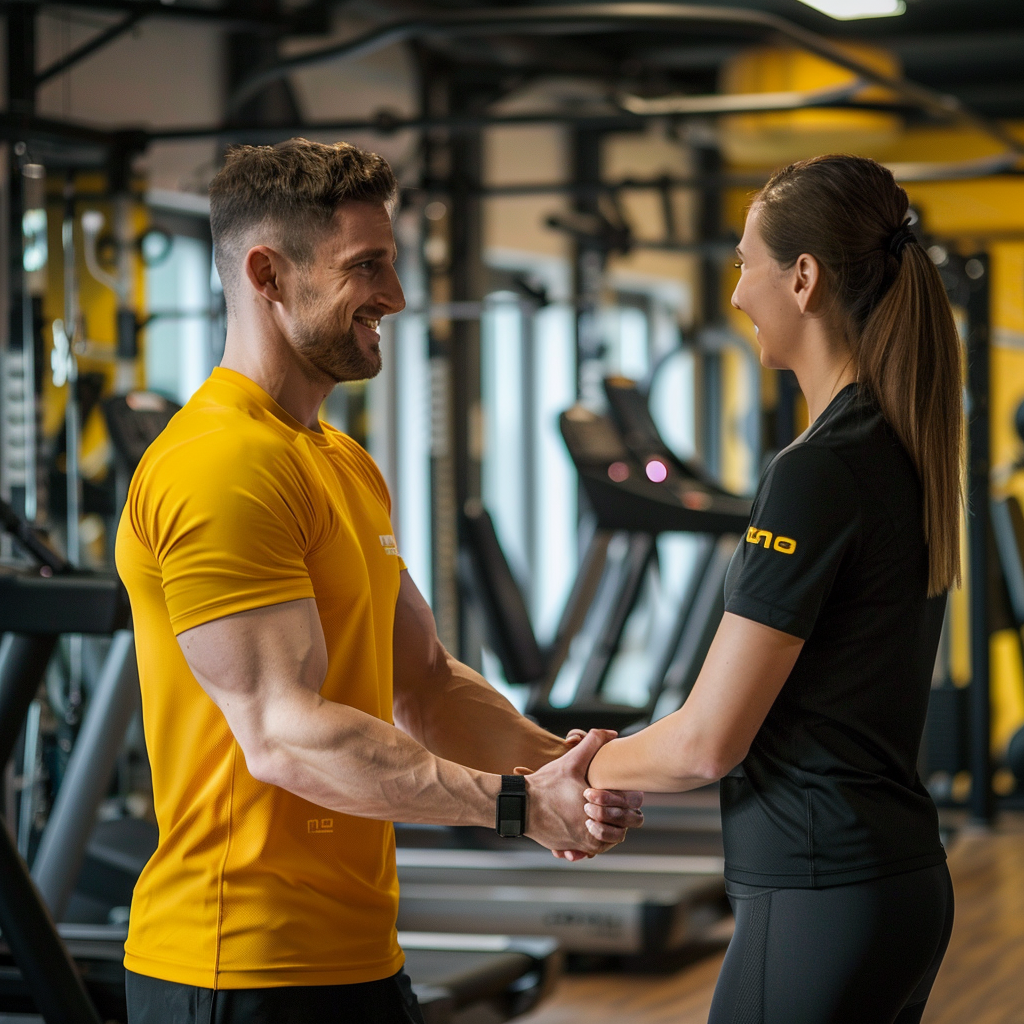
point(811, 703)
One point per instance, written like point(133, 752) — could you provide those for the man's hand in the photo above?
point(558, 815)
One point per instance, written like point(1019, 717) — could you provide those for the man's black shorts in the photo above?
point(391, 1001)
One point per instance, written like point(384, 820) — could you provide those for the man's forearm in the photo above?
point(351, 762)
point(340, 758)
point(459, 716)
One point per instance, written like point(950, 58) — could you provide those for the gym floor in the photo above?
point(980, 981)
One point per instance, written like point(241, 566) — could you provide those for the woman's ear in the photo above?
point(806, 281)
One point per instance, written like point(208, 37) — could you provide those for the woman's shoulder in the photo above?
point(812, 463)
point(808, 484)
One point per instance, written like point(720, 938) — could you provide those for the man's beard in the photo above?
point(333, 351)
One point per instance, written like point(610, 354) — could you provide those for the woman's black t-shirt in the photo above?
point(835, 554)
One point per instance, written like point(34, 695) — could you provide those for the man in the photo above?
point(274, 628)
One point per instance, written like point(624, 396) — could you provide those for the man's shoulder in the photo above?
point(363, 464)
point(224, 438)
point(210, 458)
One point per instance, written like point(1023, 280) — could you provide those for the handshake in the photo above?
point(571, 819)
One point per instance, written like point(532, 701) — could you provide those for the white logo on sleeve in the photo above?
point(388, 542)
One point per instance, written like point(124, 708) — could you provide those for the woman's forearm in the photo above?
point(745, 669)
point(656, 760)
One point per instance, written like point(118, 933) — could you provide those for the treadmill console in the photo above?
point(644, 495)
point(630, 411)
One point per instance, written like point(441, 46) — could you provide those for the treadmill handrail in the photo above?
point(523, 657)
point(23, 533)
point(508, 619)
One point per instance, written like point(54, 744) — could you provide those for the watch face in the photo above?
point(511, 815)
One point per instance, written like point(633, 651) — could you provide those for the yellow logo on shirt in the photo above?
point(784, 545)
point(389, 544)
point(318, 826)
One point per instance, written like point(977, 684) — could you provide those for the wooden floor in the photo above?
point(981, 981)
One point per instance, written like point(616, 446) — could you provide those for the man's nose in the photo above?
point(392, 298)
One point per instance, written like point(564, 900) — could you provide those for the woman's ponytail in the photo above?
point(890, 304)
point(909, 356)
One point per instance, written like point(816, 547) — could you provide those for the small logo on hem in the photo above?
point(319, 826)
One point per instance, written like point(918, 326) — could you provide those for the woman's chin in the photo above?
point(772, 362)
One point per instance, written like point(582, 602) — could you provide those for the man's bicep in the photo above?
point(252, 654)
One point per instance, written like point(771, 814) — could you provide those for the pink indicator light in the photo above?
point(656, 471)
point(618, 471)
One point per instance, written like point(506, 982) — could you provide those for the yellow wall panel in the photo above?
point(1007, 687)
point(96, 343)
point(764, 139)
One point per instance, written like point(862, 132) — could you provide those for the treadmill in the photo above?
point(637, 488)
point(620, 904)
point(73, 973)
point(635, 481)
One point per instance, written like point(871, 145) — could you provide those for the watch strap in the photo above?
point(513, 784)
point(510, 810)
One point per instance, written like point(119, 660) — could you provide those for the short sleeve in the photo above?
point(229, 536)
point(805, 519)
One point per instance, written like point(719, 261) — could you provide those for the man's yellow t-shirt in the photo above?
point(237, 506)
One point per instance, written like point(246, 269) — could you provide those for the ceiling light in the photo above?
point(848, 10)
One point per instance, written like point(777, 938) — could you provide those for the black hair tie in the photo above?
point(902, 237)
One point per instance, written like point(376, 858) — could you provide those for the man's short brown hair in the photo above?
point(292, 191)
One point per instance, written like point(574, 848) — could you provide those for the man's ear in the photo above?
point(263, 267)
point(806, 279)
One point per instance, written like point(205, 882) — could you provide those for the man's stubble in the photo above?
point(332, 350)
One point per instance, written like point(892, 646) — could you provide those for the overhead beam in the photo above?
point(386, 123)
point(86, 49)
point(15, 127)
point(938, 52)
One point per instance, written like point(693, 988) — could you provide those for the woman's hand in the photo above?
point(610, 814)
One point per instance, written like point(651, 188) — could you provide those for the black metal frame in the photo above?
point(577, 19)
point(979, 529)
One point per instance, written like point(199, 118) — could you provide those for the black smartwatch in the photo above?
point(510, 813)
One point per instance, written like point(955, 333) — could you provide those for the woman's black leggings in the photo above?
point(865, 953)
